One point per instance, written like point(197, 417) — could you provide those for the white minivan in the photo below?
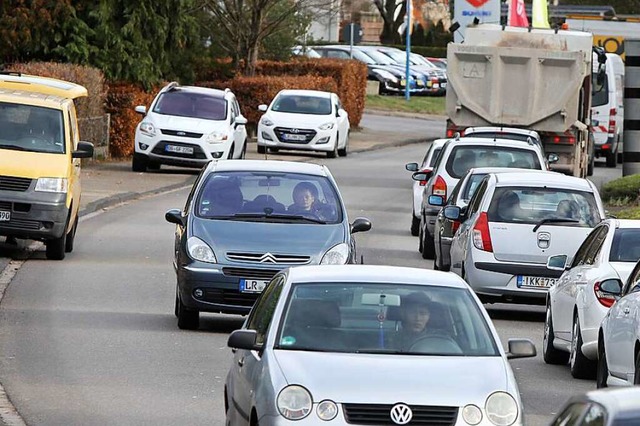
point(607, 110)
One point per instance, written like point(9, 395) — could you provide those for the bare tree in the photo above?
point(392, 12)
point(239, 26)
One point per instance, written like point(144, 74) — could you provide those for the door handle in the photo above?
point(241, 362)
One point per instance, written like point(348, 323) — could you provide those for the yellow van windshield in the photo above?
point(31, 128)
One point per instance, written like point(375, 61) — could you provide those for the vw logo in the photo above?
point(267, 258)
point(401, 414)
point(544, 240)
point(295, 130)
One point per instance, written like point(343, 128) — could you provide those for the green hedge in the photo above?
point(618, 190)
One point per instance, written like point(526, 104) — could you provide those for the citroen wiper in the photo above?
point(554, 220)
point(277, 217)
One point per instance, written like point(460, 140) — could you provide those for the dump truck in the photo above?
point(537, 79)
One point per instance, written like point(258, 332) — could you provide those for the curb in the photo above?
point(391, 113)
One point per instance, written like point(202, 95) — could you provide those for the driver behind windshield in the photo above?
point(415, 313)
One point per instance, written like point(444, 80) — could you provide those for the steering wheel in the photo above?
point(437, 344)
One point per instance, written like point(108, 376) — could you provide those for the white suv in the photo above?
point(189, 126)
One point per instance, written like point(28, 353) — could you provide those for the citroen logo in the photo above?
point(268, 258)
point(544, 240)
point(295, 130)
point(401, 414)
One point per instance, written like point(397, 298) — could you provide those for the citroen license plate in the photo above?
point(539, 282)
point(5, 216)
point(179, 149)
point(252, 286)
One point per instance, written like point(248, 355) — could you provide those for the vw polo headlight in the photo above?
point(147, 128)
point(472, 414)
point(336, 255)
point(326, 126)
point(217, 137)
point(501, 408)
point(266, 122)
point(327, 410)
point(294, 402)
point(199, 250)
point(60, 185)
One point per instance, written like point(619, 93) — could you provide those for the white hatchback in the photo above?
point(513, 223)
point(189, 126)
point(309, 120)
point(576, 305)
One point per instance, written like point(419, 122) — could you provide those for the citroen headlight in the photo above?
point(266, 122)
point(60, 185)
point(199, 250)
point(472, 414)
point(217, 137)
point(501, 408)
point(327, 410)
point(148, 128)
point(294, 402)
point(326, 126)
point(386, 75)
point(336, 255)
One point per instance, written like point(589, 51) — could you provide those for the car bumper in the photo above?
point(34, 215)
point(198, 152)
point(320, 140)
point(605, 146)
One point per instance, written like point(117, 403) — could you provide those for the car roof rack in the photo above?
point(171, 86)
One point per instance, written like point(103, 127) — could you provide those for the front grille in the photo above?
point(288, 259)
point(181, 133)
point(32, 225)
point(380, 414)
point(229, 297)
point(11, 183)
point(160, 149)
point(5, 205)
point(308, 134)
point(256, 274)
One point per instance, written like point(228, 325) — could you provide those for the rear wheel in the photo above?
point(139, 163)
point(550, 354)
point(611, 159)
point(187, 319)
point(415, 225)
point(262, 149)
point(603, 369)
point(581, 366)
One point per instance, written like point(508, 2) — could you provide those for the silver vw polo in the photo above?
point(371, 345)
point(246, 220)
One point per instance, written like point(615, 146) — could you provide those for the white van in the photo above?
point(607, 110)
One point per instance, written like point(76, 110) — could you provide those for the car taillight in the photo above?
point(452, 130)
point(564, 139)
point(481, 235)
point(454, 226)
point(440, 188)
point(612, 120)
point(450, 133)
point(606, 300)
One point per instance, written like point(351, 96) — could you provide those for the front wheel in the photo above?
point(342, 152)
point(139, 163)
point(428, 246)
point(550, 354)
point(187, 319)
point(334, 153)
point(262, 149)
point(602, 374)
point(581, 366)
point(71, 236)
point(55, 248)
point(415, 225)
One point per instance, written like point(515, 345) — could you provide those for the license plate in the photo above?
point(293, 137)
point(5, 216)
point(443, 85)
point(403, 82)
point(179, 149)
point(540, 282)
point(420, 83)
point(252, 286)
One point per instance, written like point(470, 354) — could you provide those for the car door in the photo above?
point(568, 286)
point(620, 328)
point(343, 121)
point(239, 130)
point(444, 228)
point(247, 364)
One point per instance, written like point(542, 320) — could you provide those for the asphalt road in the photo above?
point(93, 340)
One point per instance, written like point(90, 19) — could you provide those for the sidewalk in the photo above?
point(108, 183)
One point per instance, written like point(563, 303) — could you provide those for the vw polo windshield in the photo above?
point(31, 128)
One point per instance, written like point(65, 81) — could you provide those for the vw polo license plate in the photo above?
point(541, 282)
point(252, 286)
point(179, 149)
point(5, 216)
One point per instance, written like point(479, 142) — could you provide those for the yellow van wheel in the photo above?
point(55, 248)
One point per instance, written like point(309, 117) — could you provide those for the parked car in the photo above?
point(619, 334)
point(307, 51)
point(459, 155)
point(329, 344)
point(438, 62)
point(607, 407)
point(575, 305)
point(436, 78)
point(513, 223)
point(309, 120)
point(40, 152)
point(417, 80)
point(445, 229)
point(426, 166)
point(246, 220)
point(189, 126)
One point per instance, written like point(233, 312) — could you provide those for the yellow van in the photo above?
point(40, 154)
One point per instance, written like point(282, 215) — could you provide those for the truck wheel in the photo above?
point(611, 159)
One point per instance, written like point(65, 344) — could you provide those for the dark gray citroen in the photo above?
point(246, 220)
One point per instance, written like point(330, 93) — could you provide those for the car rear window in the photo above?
point(190, 104)
point(302, 104)
point(532, 205)
point(499, 135)
point(269, 196)
point(625, 246)
point(472, 184)
point(462, 158)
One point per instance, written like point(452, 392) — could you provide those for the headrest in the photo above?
point(314, 313)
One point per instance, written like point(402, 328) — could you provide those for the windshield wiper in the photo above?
point(554, 220)
point(14, 147)
point(276, 216)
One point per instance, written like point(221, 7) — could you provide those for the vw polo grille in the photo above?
point(379, 414)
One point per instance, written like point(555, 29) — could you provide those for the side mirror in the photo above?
point(174, 216)
point(141, 109)
point(611, 286)
point(453, 213)
point(240, 121)
point(85, 150)
point(553, 158)
point(412, 167)
point(342, 113)
point(520, 348)
point(263, 108)
point(244, 339)
point(557, 262)
point(436, 200)
point(361, 224)
point(422, 176)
